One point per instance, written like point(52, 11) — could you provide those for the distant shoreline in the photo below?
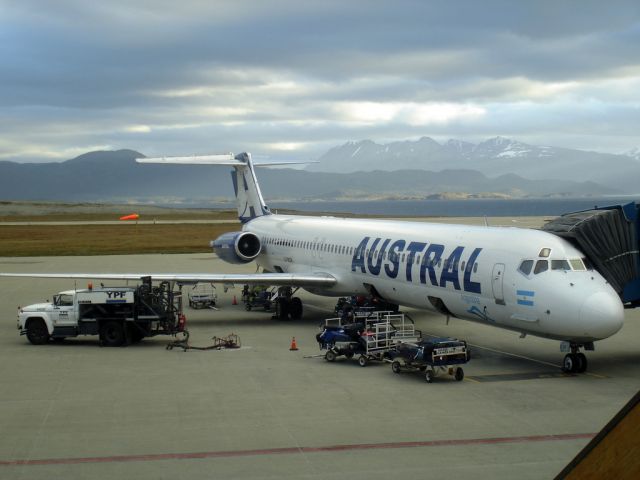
point(398, 208)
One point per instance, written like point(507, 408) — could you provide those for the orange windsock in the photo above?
point(133, 216)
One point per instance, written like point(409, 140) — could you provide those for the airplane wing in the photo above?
point(291, 279)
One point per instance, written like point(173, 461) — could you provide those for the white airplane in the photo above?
point(525, 280)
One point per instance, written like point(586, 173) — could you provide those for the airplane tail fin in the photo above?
point(249, 199)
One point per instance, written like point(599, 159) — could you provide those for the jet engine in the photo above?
point(237, 247)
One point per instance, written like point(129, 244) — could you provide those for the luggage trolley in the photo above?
point(433, 357)
point(370, 337)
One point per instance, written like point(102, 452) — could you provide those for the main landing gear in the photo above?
point(576, 361)
point(288, 306)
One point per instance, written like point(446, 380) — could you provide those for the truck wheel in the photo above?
point(135, 334)
point(330, 356)
point(37, 332)
point(459, 374)
point(112, 334)
point(428, 376)
point(396, 367)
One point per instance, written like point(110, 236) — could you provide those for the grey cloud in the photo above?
point(96, 68)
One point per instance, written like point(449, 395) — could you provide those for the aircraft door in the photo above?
point(63, 311)
point(497, 283)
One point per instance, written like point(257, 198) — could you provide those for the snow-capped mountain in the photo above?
point(493, 157)
point(633, 153)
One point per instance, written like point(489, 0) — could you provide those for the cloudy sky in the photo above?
point(292, 78)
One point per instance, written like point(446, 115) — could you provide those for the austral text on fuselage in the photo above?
point(387, 256)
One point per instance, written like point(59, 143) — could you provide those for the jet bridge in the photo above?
point(609, 236)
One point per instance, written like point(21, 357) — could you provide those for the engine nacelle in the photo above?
point(237, 247)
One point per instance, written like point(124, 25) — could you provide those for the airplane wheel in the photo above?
point(396, 367)
point(295, 307)
point(459, 374)
point(582, 363)
point(569, 364)
point(282, 308)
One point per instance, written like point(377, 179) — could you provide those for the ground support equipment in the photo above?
point(258, 296)
point(370, 337)
point(203, 295)
point(219, 343)
point(434, 357)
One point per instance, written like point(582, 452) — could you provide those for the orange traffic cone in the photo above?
point(235, 301)
point(294, 345)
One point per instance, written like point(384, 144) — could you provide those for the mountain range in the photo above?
point(493, 157)
point(362, 170)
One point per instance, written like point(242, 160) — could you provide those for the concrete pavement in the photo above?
point(76, 410)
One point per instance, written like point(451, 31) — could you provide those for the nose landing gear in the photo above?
point(576, 361)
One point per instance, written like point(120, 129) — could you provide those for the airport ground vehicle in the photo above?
point(361, 305)
point(202, 295)
point(118, 315)
point(258, 296)
point(433, 357)
point(371, 337)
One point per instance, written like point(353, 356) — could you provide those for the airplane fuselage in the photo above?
point(525, 280)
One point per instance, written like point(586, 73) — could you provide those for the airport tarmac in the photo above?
point(76, 410)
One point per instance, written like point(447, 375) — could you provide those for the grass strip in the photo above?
point(122, 239)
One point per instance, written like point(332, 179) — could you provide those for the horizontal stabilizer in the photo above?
point(224, 159)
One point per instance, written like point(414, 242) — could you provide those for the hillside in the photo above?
point(116, 177)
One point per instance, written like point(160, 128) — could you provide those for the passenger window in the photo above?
point(526, 266)
point(541, 266)
point(560, 265)
point(462, 266)
point(475, 268)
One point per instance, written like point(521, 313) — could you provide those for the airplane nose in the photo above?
point(602, 314)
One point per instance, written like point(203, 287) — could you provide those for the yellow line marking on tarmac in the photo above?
point(542, 362)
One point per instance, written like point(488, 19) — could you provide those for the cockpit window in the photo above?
point(577, 264)
point(560, 265)
point(526, 266)
point(541, 266)
point(545, 252)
